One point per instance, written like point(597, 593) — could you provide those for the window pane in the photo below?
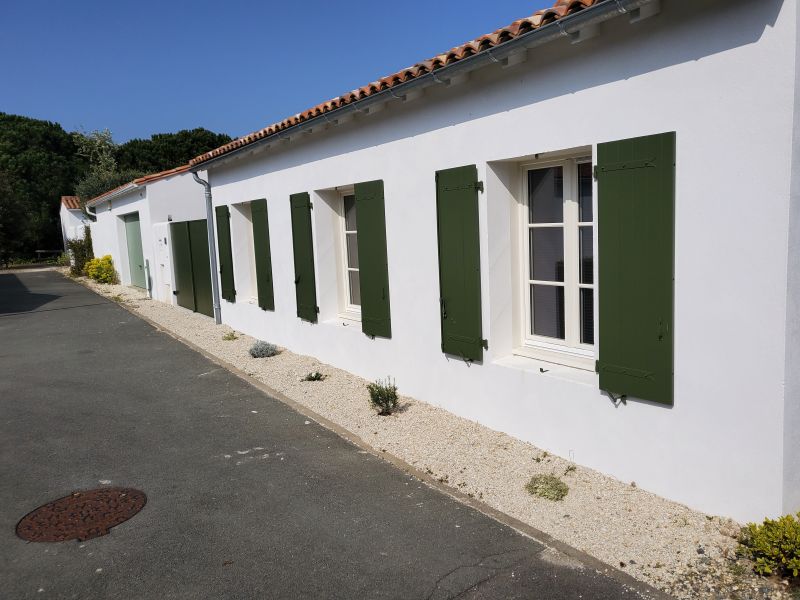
point(546, 195)
point(350, 213)
point(547, 253)
point(352, 250)
point(547, 308)
point(587, 316)
point(585, 192)
point(355, 288)
point(587, 255)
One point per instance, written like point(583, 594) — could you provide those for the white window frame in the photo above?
point(347, 310)
point(570, 351)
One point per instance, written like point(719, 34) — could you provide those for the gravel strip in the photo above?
point(681, 551)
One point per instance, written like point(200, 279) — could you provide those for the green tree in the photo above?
point(12, 221)
point(40, 163)
point(99, 150)
point(168, 150)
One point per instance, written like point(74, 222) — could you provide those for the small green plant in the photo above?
point(261, 349)
point(230, 336)
point(314, 376)
point(117, 298)
point(774, 546)
point(547, 486)
point(63, 260)
point(570, 469)
point(101, 270)
point(383, 396)
point(736, 569)
point(80, 251)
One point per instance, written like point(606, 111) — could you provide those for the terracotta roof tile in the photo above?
point(559, 10)
point(144, 180)
point(162, 175)
point(71, 202)
point(108, 193)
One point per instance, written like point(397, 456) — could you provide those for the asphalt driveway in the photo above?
point(246, 498)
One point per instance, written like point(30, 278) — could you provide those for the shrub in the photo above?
point(774, 546)
point(101, 270)
point(547, 486)
point(263, 349)
point(383, 396)
point(81, 252)
point(63, 260)
point(314, 376)
point(230, 336)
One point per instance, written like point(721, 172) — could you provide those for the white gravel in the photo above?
point(681, 551)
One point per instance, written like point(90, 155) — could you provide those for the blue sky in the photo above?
point(147, 67)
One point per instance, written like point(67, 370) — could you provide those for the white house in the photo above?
point(581, 229)
point(73, 219)
point(133, 226)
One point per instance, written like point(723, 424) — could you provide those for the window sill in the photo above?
point(564, 358)
point(350, 325)
point(548, 369)
point(350, 315)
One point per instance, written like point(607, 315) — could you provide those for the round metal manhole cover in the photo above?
point(81, 515)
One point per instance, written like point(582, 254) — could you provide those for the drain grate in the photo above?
point(81, 515)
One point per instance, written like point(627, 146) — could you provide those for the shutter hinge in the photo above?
point(485, 344)
point(595, 172)
point(597, 362)
point(479, 186)
point(316, 309)
point(310, 206)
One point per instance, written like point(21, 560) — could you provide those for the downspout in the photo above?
point(212, 247)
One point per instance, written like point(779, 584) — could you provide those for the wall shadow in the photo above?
point(15, 297)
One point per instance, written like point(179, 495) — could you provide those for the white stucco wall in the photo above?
point(110, 228)
point(791, 424)
point(72, 224)
point(176, 198)
point(720, 74)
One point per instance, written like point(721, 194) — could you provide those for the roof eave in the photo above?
point(570, 26)
point(116, 193)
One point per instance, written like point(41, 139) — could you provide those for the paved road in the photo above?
point(90, 393)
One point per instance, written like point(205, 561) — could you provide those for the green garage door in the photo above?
point(192, 266)
point(133, 235)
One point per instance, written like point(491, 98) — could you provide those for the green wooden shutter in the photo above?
point(636, 208)
point(225, 253)
point(201, 267)
point(459, 262)
point(304, 281)
point(182, 265)
point(372, 263)
point(263, 258)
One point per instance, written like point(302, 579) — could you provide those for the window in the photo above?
point(244, 273)
point(351, 285)
point(559, 277)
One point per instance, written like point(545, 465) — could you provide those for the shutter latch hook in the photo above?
point(616, 401)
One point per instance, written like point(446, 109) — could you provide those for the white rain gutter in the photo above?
point(111, 195)
point(212, 247)
point(576, 27)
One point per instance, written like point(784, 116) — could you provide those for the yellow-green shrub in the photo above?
point(774, 546)
point(101, 269)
